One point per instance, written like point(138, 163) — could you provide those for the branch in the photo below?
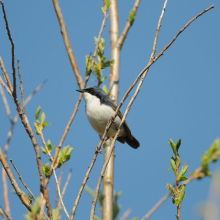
point(6, 87)
point(144, 73)
point(4, 214)
point(12, 50)
point(5, 193)
point(18, 191)
point(26, 186)
point(21, 87)
point(5, 74)
point(67, 44)
point(119, 43)
point(6, 104)
point(59, 181)
point(126, 214)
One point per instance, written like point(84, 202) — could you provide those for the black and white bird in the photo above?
point(99, 109)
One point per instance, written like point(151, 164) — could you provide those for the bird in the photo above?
point(99, 109)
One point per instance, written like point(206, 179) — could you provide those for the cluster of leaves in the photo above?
point(132, 16)
point(34, 214)
point(106, 6)
point(209, 156)
point(64, 154)
point(101, 64)
point(175, 164)
point(40, 125)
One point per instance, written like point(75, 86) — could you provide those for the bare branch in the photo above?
point(119, 43)
point(21, 87)
point(6, 87)
point(144, 72)
point(12, 50)
point(67, 44)
point(18, 191)
point(5, 74)
point(6, 104)
point(4, 214)
point(126, 214)
point(26, 186)
point(5, 193)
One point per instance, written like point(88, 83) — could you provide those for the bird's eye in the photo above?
point(92, 90)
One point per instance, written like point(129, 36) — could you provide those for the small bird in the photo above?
point(99, 109)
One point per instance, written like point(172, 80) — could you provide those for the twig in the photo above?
point(4, 214)
point(126, 214)
point(10, 132)
point(144, 72)
point(5, 193)
point(26, 186)
point(54, 173)
point(27, 126)
point(59, 181)
point(66, 184)
point(67, 44)
point(119, 43)
point(5, 74)
point(157, 205)
point(18, 191)
point(12, 50)
point(6, 87)
point(21, 87)
point(6, 104)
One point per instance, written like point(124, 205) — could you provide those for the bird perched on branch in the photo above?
point(99, 109)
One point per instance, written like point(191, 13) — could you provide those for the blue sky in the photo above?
point(179, 98)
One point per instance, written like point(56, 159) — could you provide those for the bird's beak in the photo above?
point(80, 90)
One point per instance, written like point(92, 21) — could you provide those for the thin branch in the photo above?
point(6, 87)
point(21, 87)
point(59, 181)
point(12, 50)
point(5, 74)
point(126, 214)
point(157, 205)
point(4, 214)
point(66, 184)
point(54, 173)
point(26, 186)
point(119, 43)
point(10, 132)
point(144, 72)
point(6, 104)
point(18, 191)
point(67, 44)
point(5, 193)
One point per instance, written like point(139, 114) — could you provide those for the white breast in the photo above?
point(99, 114)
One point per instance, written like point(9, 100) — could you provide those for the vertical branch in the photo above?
point(108, 182)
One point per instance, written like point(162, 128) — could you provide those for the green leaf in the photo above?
point(90, 191)
point(108, 63)
point(178, 144)
point(43, 116)
point(98, 71)
point(37, 113)
point(182, 178)
point(43, 150)
point(102, 9)
point(46, 169)
point(104, 88)
point(135, 218)
point(56, 214)
point(88, 64)
point(67, 153)
point(173, 164)
point(100, 197)
point(116, 209)
point(182, 193)
point(117, 196)
point(107, 3)
point(36, 207)
point(171, 189)
point(182, 173)
point(37, 128)
point(177, 201)
point(45, 124)
point(132, 16)
point(173, 146)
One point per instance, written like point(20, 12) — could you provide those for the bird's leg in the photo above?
point(98, 150)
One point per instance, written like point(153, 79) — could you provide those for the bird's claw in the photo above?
point(98, 150)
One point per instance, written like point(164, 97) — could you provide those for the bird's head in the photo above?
point(91, 92)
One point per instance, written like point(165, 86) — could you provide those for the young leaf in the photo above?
point(104, 88)
point(88, 64)
point(37, 113)
point(173, 164)
point(182, 193)
point(132, 16)
point(90, 191)
point(172, 190)
point(173, 146)
point(37, 128)
point(43, 116)
point(182, 173)
point(43, 150)
point(107, 3)
point(67, 153)
point(116, 209)
point(45, 124)
point(178, 144)
point(46, 169)
point(177, 201)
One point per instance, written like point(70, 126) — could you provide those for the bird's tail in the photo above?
point(132, 141)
